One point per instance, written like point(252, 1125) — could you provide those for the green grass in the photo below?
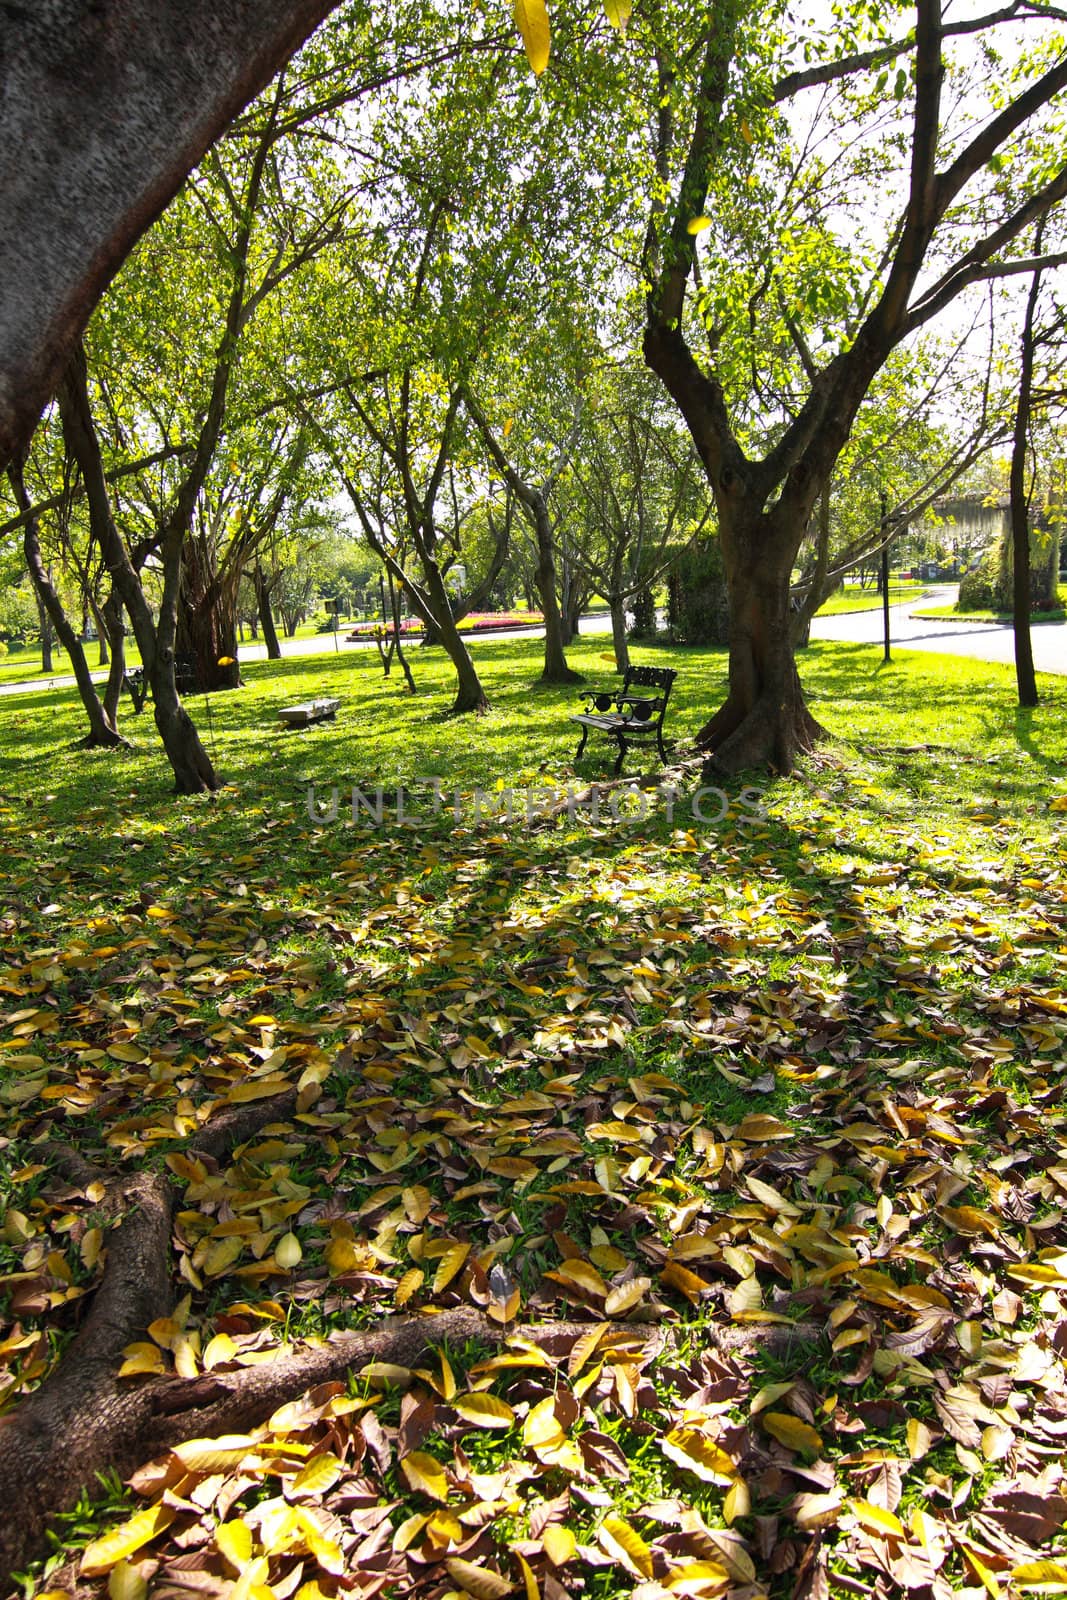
point(906, 883)
point(852, 598)
point(950, 614)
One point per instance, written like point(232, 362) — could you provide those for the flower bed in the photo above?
point(475, 622)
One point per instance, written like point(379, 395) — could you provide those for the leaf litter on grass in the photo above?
point(804, 1080)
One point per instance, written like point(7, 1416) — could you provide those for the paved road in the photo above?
point(318, 644)
point(982, 641)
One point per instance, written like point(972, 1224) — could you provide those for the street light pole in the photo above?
point(885, 577)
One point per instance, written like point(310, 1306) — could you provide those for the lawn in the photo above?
point(730, 1152)
point(1057, 614)
point(851, 599)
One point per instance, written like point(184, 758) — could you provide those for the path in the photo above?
point(981, 641)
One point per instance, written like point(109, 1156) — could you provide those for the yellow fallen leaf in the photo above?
point(216, 1455)
point(693, 1450)
point(425, 1475)
point(625, 1545)
point(234, 1541)
point(876, 1519)
point(580, 1274)
point(559, 1544)
point(219, 1349)
point(320, 1474)
point(541, 1426)
point(288, 1252)
point(626, 1297)
point(484, 1411)
point(124, 1582)
point(791, 1431)
point(449, 1265)
point(119, 1543)
point(409, 1286)
point(1046, 1577)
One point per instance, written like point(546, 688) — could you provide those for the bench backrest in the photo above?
point(660, 678)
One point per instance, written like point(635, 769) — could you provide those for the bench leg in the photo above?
point(659, 747)
point(621, 757)
point(581, 744)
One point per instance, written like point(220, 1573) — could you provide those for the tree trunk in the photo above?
point(193, 772)
point(109, 106)
point(764, 720)
point(266, 615)
point(102, 731)
point(555, 669)
point(207, 619)
point(397, 643)
point(44, 624)
point(470, 696)
point(618, 633)
point(111, 626)
point(1025, 676)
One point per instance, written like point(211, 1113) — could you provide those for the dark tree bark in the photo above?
point(618, 633)
point(470, 696)
point(266, 614)
point(193, 772)
point(111, 625)
point(207, 618)
point(397, 641)
point(109, 104)
point(1025, 676)
point(44, 623)
point(102, 730)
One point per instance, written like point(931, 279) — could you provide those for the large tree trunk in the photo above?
point(109, 105)
point(764, 720)
point(193, 772)
point(266, 615)
point(102, 731)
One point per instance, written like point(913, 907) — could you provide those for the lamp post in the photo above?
point(885, 576)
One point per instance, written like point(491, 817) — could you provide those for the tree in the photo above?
point(533, 498)
point(715, 132)
point(636, 498)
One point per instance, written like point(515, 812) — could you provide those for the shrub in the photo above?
point(698, 610)
point(644, 623)
point(977, 591)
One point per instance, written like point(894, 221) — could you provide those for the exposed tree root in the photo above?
point(739, 738)
point(83, 1419)
point(107, 741)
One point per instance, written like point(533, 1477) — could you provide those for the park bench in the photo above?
point(138, 685)
point(627, 715)
point(311, 711)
